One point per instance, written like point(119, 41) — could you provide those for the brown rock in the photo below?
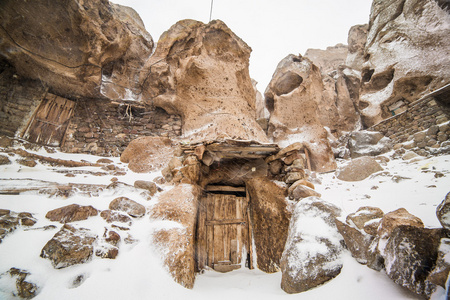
point(111, 216)
point(396, 218)
point(358, 169)
point(300, 182)
point(330, 59)
point(69, 246)
point(146, 185)
point(146, 154)
point(109, 252)
point(27, 162)
point(357, 37)
point(4, 160)
point(200, 71)
point(292, 177)
point(296, 86)
point(368, 143)
point(92, 50)
point(303, 266)
point(443, 212)
point(128, 206)
point(71, 213)
point(363, 215)
point(356, 241)
point(410, 255)
point(176, 245)
point(112, 237)
point(25, 289)
point(302, 191)
point(388, 74)
point(275, 167)
point(270, 220)
point(441, 271)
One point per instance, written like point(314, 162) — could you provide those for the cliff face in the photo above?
point(200, 71)
point(407, 54)
point(76, 47)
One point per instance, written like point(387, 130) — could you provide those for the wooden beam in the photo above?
point(224, 188)
point(226, 148)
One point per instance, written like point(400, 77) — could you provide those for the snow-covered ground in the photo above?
point(137, 272)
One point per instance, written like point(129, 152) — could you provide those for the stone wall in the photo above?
point(105, 128)
point(421, 115)
point(18, 100)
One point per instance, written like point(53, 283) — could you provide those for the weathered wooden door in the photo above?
point(224, 238)
point(50, 120)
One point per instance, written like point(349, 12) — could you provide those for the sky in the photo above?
point(273, 29)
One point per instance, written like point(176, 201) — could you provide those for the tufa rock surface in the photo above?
point(69, 246)
point(270, 220)
point(88, 48)
point(357, 36)
point(406, 55)
point(200, 72)
point(176, 240)
point(328, 60)
point(312, 253)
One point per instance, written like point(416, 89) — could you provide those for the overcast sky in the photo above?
point(272, 28)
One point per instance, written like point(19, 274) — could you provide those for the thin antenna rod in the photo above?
point(210, 12)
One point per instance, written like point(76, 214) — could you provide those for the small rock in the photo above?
point(25, 289)
point(109, 252)
point(409, 155)
point(111, 216)
point(69, 246)
point(363, 215)
point(4, 160)
point(104, 161)
point(358, 169)
point(146, 185)
point(433, 130)
point(275, 167)
point(302, 191)
point(27, 162)
point(71, 213)
point(128, 206)
point(292, 177)
point(419, 137)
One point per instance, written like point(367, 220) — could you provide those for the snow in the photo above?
point(138, 271)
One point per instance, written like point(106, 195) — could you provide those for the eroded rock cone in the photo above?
point(200, 71)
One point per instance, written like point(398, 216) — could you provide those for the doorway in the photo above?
point(224, 235)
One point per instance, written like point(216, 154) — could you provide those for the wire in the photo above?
point(210, 12)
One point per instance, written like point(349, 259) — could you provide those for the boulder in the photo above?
point(95, 49)
point(441, 271)
point(410, 255)
point(4, 160)
point(9, 221)
point(357, 36)
point(443, 212)
point(176, 243)
point(71, 213)
point(270, 220)
point(302, 191)
point(358, 169)
point(200, 72)
point(146, 154)
point(312, 253)
point(396, 218)
point(111, 216)
point(401, 60)
point(128, 206)
point(368, 143)
point(69, 246)
point(357, 242)
point(296, 86)
point(363, 215)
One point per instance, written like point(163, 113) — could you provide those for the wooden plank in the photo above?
point(226, 222)
point(308, 162)
point(234, 250)
point(226, 148)
point(249, 234)
point(210, 230)
point(202, 254)
point(224, 188)
point(240, 155)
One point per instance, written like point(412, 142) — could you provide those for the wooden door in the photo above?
point(50, 120)
point(223, 232)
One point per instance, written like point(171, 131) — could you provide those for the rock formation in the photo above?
point(406, 55)
point(328, 60)
point(357, 36)
point(358, 169)
point(200, 71)
point(84, 48)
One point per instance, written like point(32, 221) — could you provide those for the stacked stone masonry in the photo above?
point(430, 114)
point(105, 128)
